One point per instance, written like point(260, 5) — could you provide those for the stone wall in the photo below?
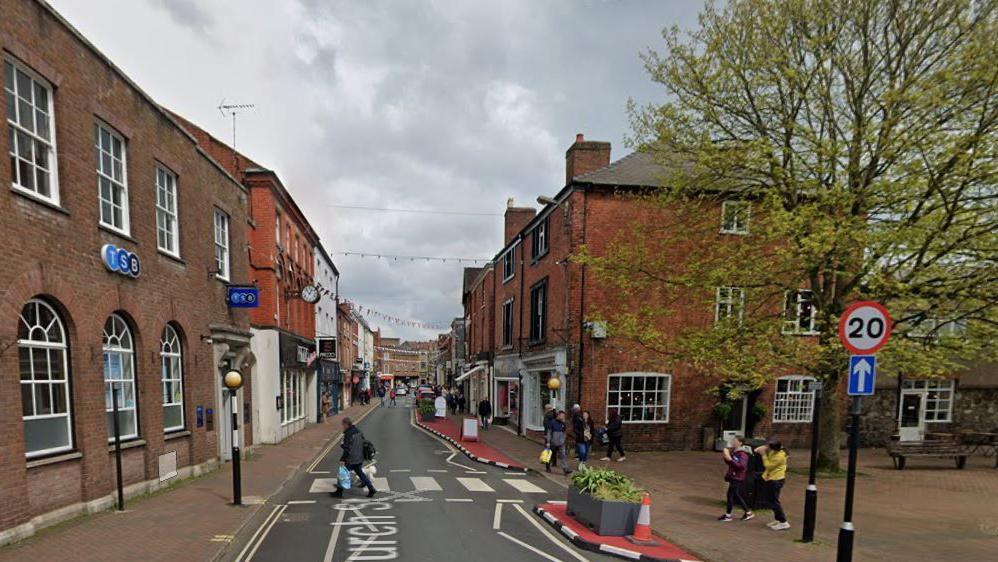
point(974, 409)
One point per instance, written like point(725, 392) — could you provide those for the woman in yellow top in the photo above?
point(774, 459)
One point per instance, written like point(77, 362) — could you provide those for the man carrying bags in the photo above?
point(356, 449)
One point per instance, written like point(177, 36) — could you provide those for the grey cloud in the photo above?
point(187, 13)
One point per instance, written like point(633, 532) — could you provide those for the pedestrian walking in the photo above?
point(353, 446)
point(584, 430)
point(391, 396)
point(549, 415)
point(737, 459)
point(460, 401)
point(555, 440)
point(615, 433)
point(485, 412)
point(381, 395)
point(774, 459)
point(452, 403)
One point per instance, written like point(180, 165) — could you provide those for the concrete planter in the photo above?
point(605, 518)
point(428, 417)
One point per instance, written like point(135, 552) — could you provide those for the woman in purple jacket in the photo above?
point(737, 460)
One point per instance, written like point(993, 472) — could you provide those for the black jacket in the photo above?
point(615, 427)
point(579, 429)
point(484, 408)
point(353, 446)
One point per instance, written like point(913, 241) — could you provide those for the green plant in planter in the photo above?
point(722, 410)
point(759, 411)
point(426, 408)
point(607, 485)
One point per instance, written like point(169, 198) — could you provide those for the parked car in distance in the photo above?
point(400, 390)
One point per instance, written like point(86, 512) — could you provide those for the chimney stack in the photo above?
point(585, 156)
point(516, 218)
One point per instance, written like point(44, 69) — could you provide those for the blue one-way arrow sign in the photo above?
point(862, 374)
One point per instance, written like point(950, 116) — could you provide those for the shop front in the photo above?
point(330, 388)
point(537, 386)
point(297, 396)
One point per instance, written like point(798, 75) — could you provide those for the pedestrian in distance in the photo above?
point(549, 415)
point(737, 459)
point(615, 433)
point(485, 412)
point(381, 395)
point(452, 403)
point(460, 401)
point(391, 396)
point(355, 448)
point(555, 440)
point(584, 431)
point(774, 459)
point(573, 419)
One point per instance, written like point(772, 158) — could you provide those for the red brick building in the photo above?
point(114, 283)
point(281, 250)
point(527, 320)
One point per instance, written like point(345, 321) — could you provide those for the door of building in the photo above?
point(912, 424)
point(532, 404)
point(734, 423)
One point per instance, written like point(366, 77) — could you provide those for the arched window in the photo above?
point(171, 372)
point(41, 346)
point(119, 377)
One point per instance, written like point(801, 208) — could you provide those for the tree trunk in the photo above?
point(830, 425)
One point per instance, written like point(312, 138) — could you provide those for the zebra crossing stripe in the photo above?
point(381, 484)
point(524, 486)
point(475, 485)
point(425, 484)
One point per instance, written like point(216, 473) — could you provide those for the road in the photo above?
point(433, 504)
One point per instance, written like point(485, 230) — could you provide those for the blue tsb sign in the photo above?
point(243, 297)
point(121, 260)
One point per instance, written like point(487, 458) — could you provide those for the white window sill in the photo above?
point(28, 194)
point(127, 445)
point(735, 232)
point(54, 459)
point(117, 232)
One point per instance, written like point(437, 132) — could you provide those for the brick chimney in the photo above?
point(516, 219)
point(585, 156)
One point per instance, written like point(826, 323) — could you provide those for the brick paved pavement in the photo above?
point(928, 512)
point(192, 521)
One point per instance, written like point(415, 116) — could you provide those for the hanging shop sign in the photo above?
point(120, 260)
point(239, 296)
point(327, 347)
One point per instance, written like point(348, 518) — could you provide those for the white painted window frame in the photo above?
point(645, 375)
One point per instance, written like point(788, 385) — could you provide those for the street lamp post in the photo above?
point(233, 381)
point(811, 494)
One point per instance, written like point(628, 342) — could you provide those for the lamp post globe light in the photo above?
point(233, 380)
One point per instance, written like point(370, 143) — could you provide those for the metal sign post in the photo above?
point(117, 449)
point(864, 329)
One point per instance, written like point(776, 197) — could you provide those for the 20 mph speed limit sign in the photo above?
point(865, 327)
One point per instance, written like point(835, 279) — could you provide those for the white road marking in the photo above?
point(322, 485)
point(425, 484)
point(475, 485)
point(545, 532)
point(530, 548)
point(331, 547)
point(497, 518)
point(435, 470)
point(300, 502)
point(557, 502)
point(254, 541)
point(513, 473)
point(524, 486)
point(458, 500)
point(400, 470)
point(510, 501)
point(381, 484)
point(319, 472)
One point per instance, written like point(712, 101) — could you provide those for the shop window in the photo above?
point(119, 378)
point(44, 369)
point(639, 397)
point(171, 371)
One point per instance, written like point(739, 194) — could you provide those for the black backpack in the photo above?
point(369, 450)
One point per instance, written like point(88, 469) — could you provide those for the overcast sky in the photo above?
point(414, 104)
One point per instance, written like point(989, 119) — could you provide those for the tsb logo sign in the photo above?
point(120, 260)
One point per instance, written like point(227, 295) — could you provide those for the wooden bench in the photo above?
point(901, 450)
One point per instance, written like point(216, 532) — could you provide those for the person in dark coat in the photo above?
point(615, 433)
point(485, 412)
point(460, 401)
point(353, 457)
point(452, 403)
point(549, 415)
point(737, 459)
point(555, 440)
point(584, 430)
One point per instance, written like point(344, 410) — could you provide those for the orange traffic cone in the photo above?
point(642, 529)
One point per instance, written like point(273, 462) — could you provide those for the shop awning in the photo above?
point(469, 373)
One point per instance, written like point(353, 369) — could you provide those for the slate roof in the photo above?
point(635, 169)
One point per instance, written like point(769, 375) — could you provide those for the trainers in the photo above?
point(748, 516)
point(371, 493)
point(726, 517)
point(781, 526)
point(337, 494)
point(605, 459)
point(772, 524)
point(621, 459)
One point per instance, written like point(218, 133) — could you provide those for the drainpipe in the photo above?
point(582, 299)
point(519, 340)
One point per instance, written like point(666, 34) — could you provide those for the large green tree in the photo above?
point(862, 135)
